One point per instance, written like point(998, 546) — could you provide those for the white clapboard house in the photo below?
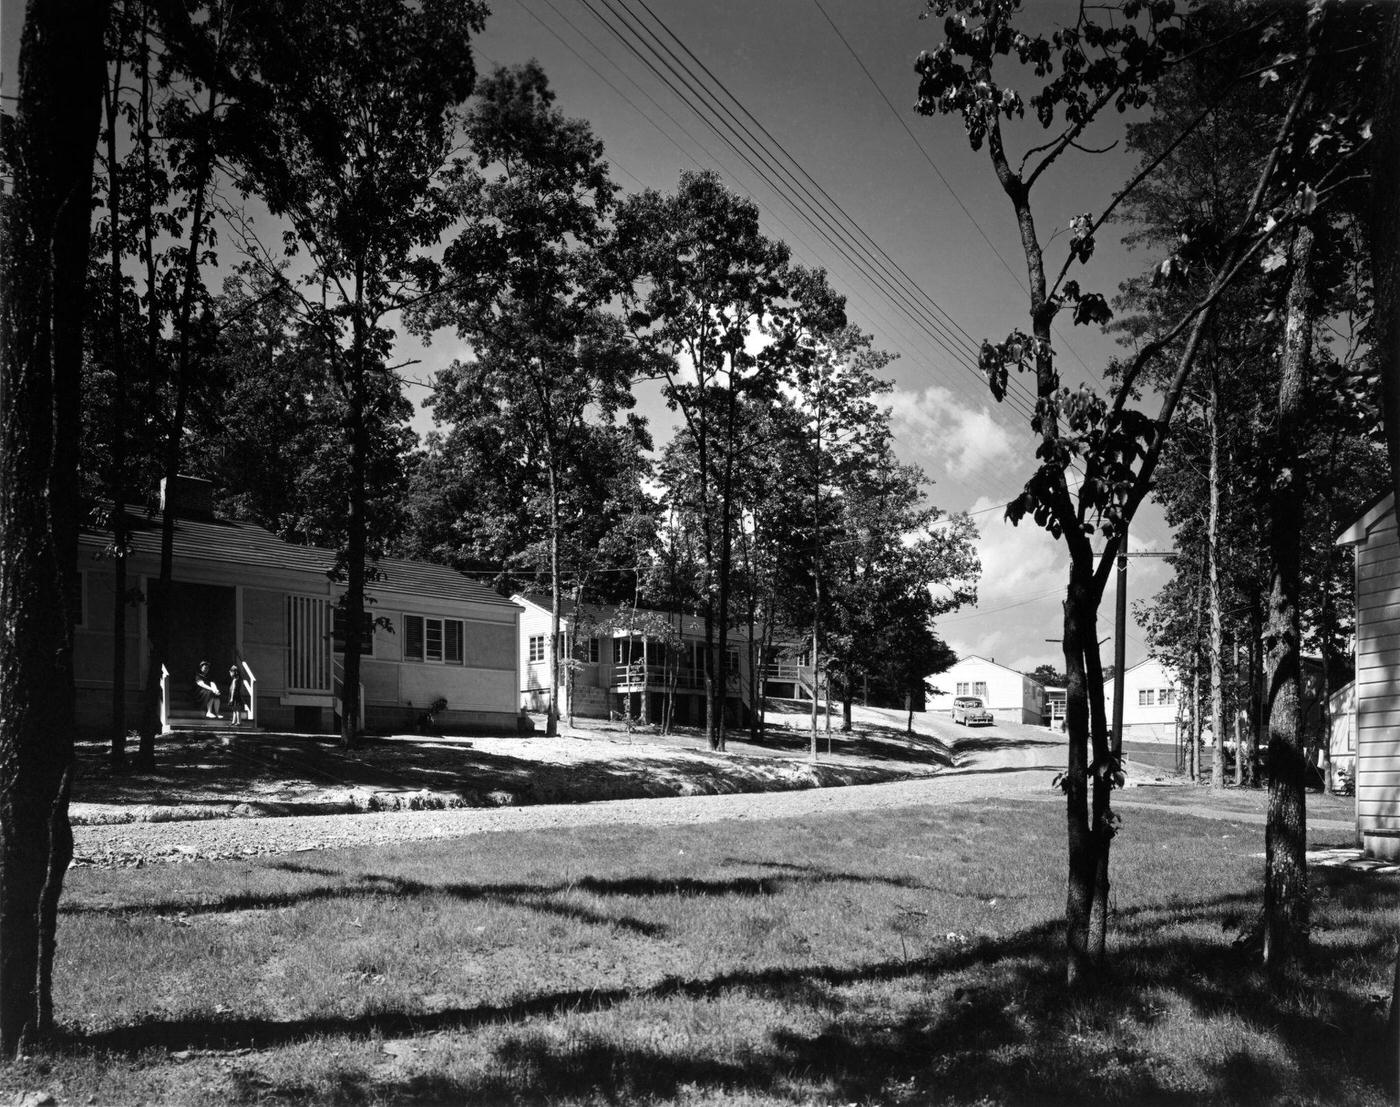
point(1375, 724)
point(242, 596)
point(1011, 696)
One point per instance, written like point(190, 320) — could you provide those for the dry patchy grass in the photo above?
point(899, 957)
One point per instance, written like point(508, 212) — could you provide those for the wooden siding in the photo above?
point(1378, 678)
point(483, 690)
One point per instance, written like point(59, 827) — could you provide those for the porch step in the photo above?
point(196, 720)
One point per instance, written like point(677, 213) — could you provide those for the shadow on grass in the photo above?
point(988, 743)
point(989, 1021)
point(202, 770)
point(870, 741)
point(532, 897)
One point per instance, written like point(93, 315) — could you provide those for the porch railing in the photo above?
point(338, 687)
point(638, 673)
point(250, 680)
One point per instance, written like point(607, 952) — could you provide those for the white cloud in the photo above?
point(967, 441)
point(1017, 561)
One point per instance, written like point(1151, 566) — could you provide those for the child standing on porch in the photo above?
point(237, 694)
point(208, 691)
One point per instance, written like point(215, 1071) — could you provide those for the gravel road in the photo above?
point(1004, 773)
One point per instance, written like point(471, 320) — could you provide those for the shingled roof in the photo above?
point(237, 542)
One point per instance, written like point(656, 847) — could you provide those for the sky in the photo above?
point(907, 219)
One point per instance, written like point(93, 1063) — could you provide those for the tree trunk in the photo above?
point(356, 536)
point(44, 268)
point(1194, 737)
point(1238, 699)
point(755, 676)
point(765, 651)
point(551, 725)
point(1217, 689)
point(117, 481)
point(146, 754)
point(1256, 694)
point(1285, 843)
point(1084, 855)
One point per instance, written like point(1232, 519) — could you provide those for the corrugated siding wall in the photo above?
point(1378, 679)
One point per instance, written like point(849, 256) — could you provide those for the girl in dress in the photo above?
point(237, 694)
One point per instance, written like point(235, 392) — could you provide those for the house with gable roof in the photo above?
point(635, 660)
point(1011, 696)
point(242, 595)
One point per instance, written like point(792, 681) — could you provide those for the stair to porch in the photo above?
point(196, 720)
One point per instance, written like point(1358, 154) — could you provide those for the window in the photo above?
point(979, 688)
point(587, 648)
point(1145, 697)
point(436, 640)
point(537, 647)
point(1166, 696)
point(963, 689)
point(366, 631)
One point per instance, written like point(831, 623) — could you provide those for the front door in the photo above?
point(202, 628)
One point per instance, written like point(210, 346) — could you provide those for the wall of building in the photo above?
point(481, 691)
point(1010, 696)
point(92, 653)
point(1378, 680)
point(1142, 722)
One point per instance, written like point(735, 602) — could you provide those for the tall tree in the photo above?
point(1110, 55)
point(530, 294)
point(49, 143)
point(700, 279)
point(351, 129)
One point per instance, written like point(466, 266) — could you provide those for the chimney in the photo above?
point(188, 498)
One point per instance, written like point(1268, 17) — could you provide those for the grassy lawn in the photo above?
point(897, 957)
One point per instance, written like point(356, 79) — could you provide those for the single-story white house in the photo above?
point(1152, 700)
point(1376, 716)
point(1011, 696)
point(242, 594)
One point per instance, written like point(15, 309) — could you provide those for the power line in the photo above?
point(627, 29)
point(939, 173)
point(873, 250)
point(792, 234)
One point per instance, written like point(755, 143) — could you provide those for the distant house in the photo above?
point(239, 592)
point(1152, 701)
point(1011, 696)
point(631, 661)
point(1053, 713)
point(1342, 750)
point(1377, 687)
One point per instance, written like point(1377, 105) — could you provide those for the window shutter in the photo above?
point(452, 647)
point(413, 637)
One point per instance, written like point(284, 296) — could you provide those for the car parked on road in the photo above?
point(971, 711)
